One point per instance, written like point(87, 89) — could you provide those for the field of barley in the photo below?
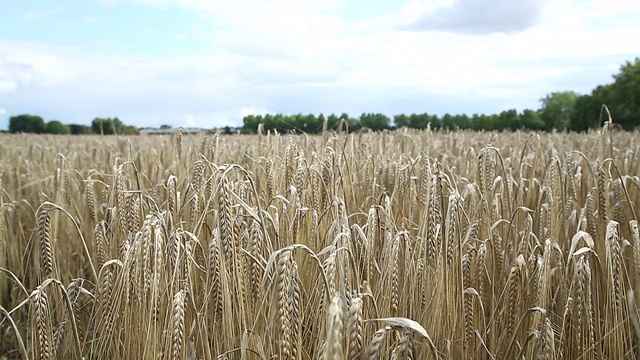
point(396, 245)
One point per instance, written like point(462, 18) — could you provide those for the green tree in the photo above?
point(624, 96)
point(419, 121)
point(103, 126)
point(109, 126)
point(447, 122)
point(401, 120)
point(332, 121)
point(310, 124)
point(129, 130)
point(250, 123)
point(557, 108)
point(119, 126)
point(433, 121)
point(353, 124)
point(77, 129)
point(350, 124)
point(317, 127)
point(26, 123)
point(530, 120)
point(462, 121)
point(268, 121)
point(375, 122)
point(587, 109)
point(490, 122)
point(476, 122)
point(508, 120)
point(56, 127)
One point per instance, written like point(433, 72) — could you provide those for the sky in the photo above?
point(208, 63)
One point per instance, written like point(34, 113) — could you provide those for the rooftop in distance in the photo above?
point(167, 131)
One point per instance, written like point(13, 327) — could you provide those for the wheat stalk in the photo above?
point(42, 323)
point(177, 325)
point(46, 246)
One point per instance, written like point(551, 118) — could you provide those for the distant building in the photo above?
point(169, 131)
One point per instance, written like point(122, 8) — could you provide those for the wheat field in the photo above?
point(395, 245)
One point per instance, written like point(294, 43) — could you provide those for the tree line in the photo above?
point(311, 124)
point(565, 110)
point(26, 123)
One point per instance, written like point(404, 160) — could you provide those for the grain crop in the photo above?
point(395, 245)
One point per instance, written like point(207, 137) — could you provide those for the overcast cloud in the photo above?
point(208, 63)
point(481, 17)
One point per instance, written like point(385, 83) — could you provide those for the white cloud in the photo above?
point(41, 15)
point(3, 111)
point(94, 20)
point(303, 56)
point(7, 85)
point(108, 3)
point(474, 16)
point(247, 111)
point(191, 122)
point(31, 64)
